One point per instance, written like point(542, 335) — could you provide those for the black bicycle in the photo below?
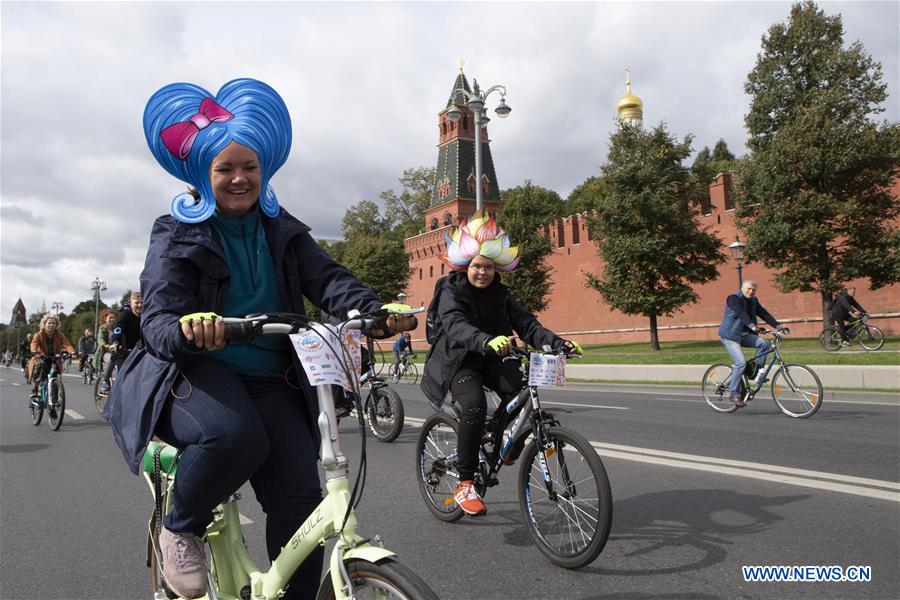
point(383, 407)
point(564, 492)
point(87, 371)
point(406, 370)
point(869, 337)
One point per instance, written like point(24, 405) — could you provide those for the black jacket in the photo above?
point(840, 308)
point(131, 327)
point(459, 336)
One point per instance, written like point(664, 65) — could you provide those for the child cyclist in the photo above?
point(478, 316)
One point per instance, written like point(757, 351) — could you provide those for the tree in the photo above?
point(651, 243)
point(406, 212)
point(379, 263)
point(815, 200)
point(586, 196)
point(525, 209)
point(87, 306)
point(721, 152)
point(364, 219)
point(707, 166)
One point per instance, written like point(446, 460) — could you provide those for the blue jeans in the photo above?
point(748, 340)
point(231, 429)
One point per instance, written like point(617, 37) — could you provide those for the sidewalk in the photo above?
point(832, 376)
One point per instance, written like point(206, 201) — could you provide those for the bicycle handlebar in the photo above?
point(244, 329)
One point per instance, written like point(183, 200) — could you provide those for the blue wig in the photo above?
point(186, 127)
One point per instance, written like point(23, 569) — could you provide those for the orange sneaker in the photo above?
point(468, 499)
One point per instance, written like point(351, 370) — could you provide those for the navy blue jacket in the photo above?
point(185, 272)
point(740, 317)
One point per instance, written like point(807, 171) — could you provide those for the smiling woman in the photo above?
point(234, 178)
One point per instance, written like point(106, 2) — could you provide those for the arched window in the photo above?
point(420, 273)
point(434, 223)
point(470, 183)
point(431, 271)
point(448, 219)
point(442, 268)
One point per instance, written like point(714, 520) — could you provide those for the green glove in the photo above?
point(199, 316)
point(575, 347)
point(395, 307)
point(496, 344)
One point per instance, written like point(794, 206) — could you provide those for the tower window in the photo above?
point(431, 271)
point(434, 223)
point(448, 219)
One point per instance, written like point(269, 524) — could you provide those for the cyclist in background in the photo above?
point(477, 316)
point(843, 308)
point(87, 346)
point(738, 329)
point(401, 344)
point(46, 342)
point(25, 352)
point(107, 342)
point(130, 321)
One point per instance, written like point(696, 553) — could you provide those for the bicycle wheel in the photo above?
point(797, 391)
point(99, 397)
point(384, 413)
point(37, 412)
point(830, 339)
point(385, 579)
point(436, 466)
point(569, 526)
point(56, 406)
point(716, 388)
point(871, 338)
point(412, 374)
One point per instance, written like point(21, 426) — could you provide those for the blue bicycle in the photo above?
point(51, 396)
point(796, 388)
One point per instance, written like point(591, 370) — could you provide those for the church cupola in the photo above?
point(630, 107)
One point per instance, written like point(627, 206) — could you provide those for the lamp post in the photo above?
point(475, 102)
point(401, 298)
point(97, 286)
point(56, 307)
point(737, 251)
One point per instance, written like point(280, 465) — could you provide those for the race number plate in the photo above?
point(319, 359)
point(547, 370)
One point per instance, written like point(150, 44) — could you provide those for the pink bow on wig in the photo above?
point(179, 137)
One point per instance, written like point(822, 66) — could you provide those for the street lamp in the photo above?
point(401, 298)
point(56, 307)
point(97, 286)
point(475, 101)
point(737, 251)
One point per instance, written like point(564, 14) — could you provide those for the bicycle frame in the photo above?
point(43, 400)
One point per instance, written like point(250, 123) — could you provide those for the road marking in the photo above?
point(244, 520)
point(16, 383)
point(73, 414)
point(585, 405)
point(693, 397)
point(833, 482)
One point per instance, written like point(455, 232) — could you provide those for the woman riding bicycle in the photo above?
point(107, 346)
point(237, 411)
point(477, 317)
point(46, 342)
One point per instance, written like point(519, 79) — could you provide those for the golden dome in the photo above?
point(629, 101)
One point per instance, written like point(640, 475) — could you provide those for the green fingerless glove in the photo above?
point(395, 307)
point(199, 316)
point(497, 343)
point(577, 347)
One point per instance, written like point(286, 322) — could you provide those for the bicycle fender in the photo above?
point(368, 552)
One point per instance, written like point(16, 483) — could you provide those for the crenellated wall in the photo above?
point(580, 312)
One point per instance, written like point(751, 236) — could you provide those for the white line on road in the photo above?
point(16, 383)
point(695, 396)
point(73, 414)
point(833, 482)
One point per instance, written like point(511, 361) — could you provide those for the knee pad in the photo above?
point(473, 415)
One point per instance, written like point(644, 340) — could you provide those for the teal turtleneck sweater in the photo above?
point(254, 289)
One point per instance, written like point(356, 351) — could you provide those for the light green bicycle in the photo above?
point(357, 568)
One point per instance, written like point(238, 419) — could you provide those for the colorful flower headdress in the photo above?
point(187, 126)
point(480, 235)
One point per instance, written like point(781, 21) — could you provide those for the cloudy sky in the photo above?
point(364, 82)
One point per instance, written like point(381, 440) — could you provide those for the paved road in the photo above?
point(697, 495)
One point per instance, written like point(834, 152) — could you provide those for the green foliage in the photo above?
point(406, 211)
point(87, 306)
point(586, 196)
point(364, 219)
point(378, 262)
point(721, 152)
point(652, 246)
point(705, 168)
point(525, 209)
point(815, 200)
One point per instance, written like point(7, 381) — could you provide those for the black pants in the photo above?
point(467, 387)
point(841, 323)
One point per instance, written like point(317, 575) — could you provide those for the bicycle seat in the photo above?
point(168, 458)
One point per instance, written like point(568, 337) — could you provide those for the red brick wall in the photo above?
point(575, 308)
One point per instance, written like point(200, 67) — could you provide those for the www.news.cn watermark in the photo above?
point(808, 573)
